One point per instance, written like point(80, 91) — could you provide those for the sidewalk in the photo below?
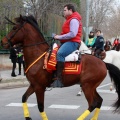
point(11, 82)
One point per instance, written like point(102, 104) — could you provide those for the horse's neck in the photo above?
point(34, 47)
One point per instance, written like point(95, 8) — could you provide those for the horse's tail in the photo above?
point(114, 73)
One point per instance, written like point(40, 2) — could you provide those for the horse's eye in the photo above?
point(14, 28)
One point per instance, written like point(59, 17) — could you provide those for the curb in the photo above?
point(13, 83)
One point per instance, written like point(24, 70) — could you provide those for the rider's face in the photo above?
point(67, 12)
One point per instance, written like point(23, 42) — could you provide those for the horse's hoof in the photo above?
point(79, 94)
point(28, 118)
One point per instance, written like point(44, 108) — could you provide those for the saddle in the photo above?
point(72, 61)
point(101, 56)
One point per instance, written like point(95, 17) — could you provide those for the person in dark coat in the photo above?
point(13, 58)
point(0, 78)
point(99, 44)
point(20, 60)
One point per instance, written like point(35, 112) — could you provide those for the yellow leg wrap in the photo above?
point(44, 116)
point(25, 110)
point(84, 115)
point(95, 116)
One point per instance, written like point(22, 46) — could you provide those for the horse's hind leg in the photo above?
point(98, 102)
point(86, 89)
point(24, 101)
point(94, 101)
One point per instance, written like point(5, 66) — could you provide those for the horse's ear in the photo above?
point(19, 19)
point(22, 18)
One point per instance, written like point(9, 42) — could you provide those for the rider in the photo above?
point(99, 44)
point(91, 40)
point(70, 37)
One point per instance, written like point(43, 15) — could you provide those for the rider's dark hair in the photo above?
point(70, 6)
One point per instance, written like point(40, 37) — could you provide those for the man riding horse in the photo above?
point(35, 47)
point(70, 37)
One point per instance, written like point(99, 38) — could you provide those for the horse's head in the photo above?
point(21, 31)
point(15, 35)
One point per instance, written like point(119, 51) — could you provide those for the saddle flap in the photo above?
point(50, 64)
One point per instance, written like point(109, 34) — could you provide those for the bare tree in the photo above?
point(99, 9)
point(38, 7)
point(112, 26)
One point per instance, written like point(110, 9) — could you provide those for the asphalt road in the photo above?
point(60, 103)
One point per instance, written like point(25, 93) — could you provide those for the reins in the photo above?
point(52, 39)
point(35, 44)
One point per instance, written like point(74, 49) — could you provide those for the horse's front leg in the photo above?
point(24, 101)
point(40, 100)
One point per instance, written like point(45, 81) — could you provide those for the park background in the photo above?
point(103, 15)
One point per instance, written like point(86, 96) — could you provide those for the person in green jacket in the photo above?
point(91, 40)
point(20, 59)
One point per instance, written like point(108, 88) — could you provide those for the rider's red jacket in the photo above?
point(66, 27)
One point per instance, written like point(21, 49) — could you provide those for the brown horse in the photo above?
point(94, 70)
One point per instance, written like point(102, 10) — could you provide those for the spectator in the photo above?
point(91, 40)
point(13, 58)
point(20, 60)
point(115, 44)
point(0, 78)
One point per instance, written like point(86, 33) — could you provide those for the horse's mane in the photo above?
point(31, 20)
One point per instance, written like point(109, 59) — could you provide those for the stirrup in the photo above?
point(57, 83)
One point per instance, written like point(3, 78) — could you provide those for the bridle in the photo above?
point(13, 34)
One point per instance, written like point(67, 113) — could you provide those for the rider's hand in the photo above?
point(56, 37)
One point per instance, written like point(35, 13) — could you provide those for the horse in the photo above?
point(26, 31)
point(111, 56)
point(107, 45)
